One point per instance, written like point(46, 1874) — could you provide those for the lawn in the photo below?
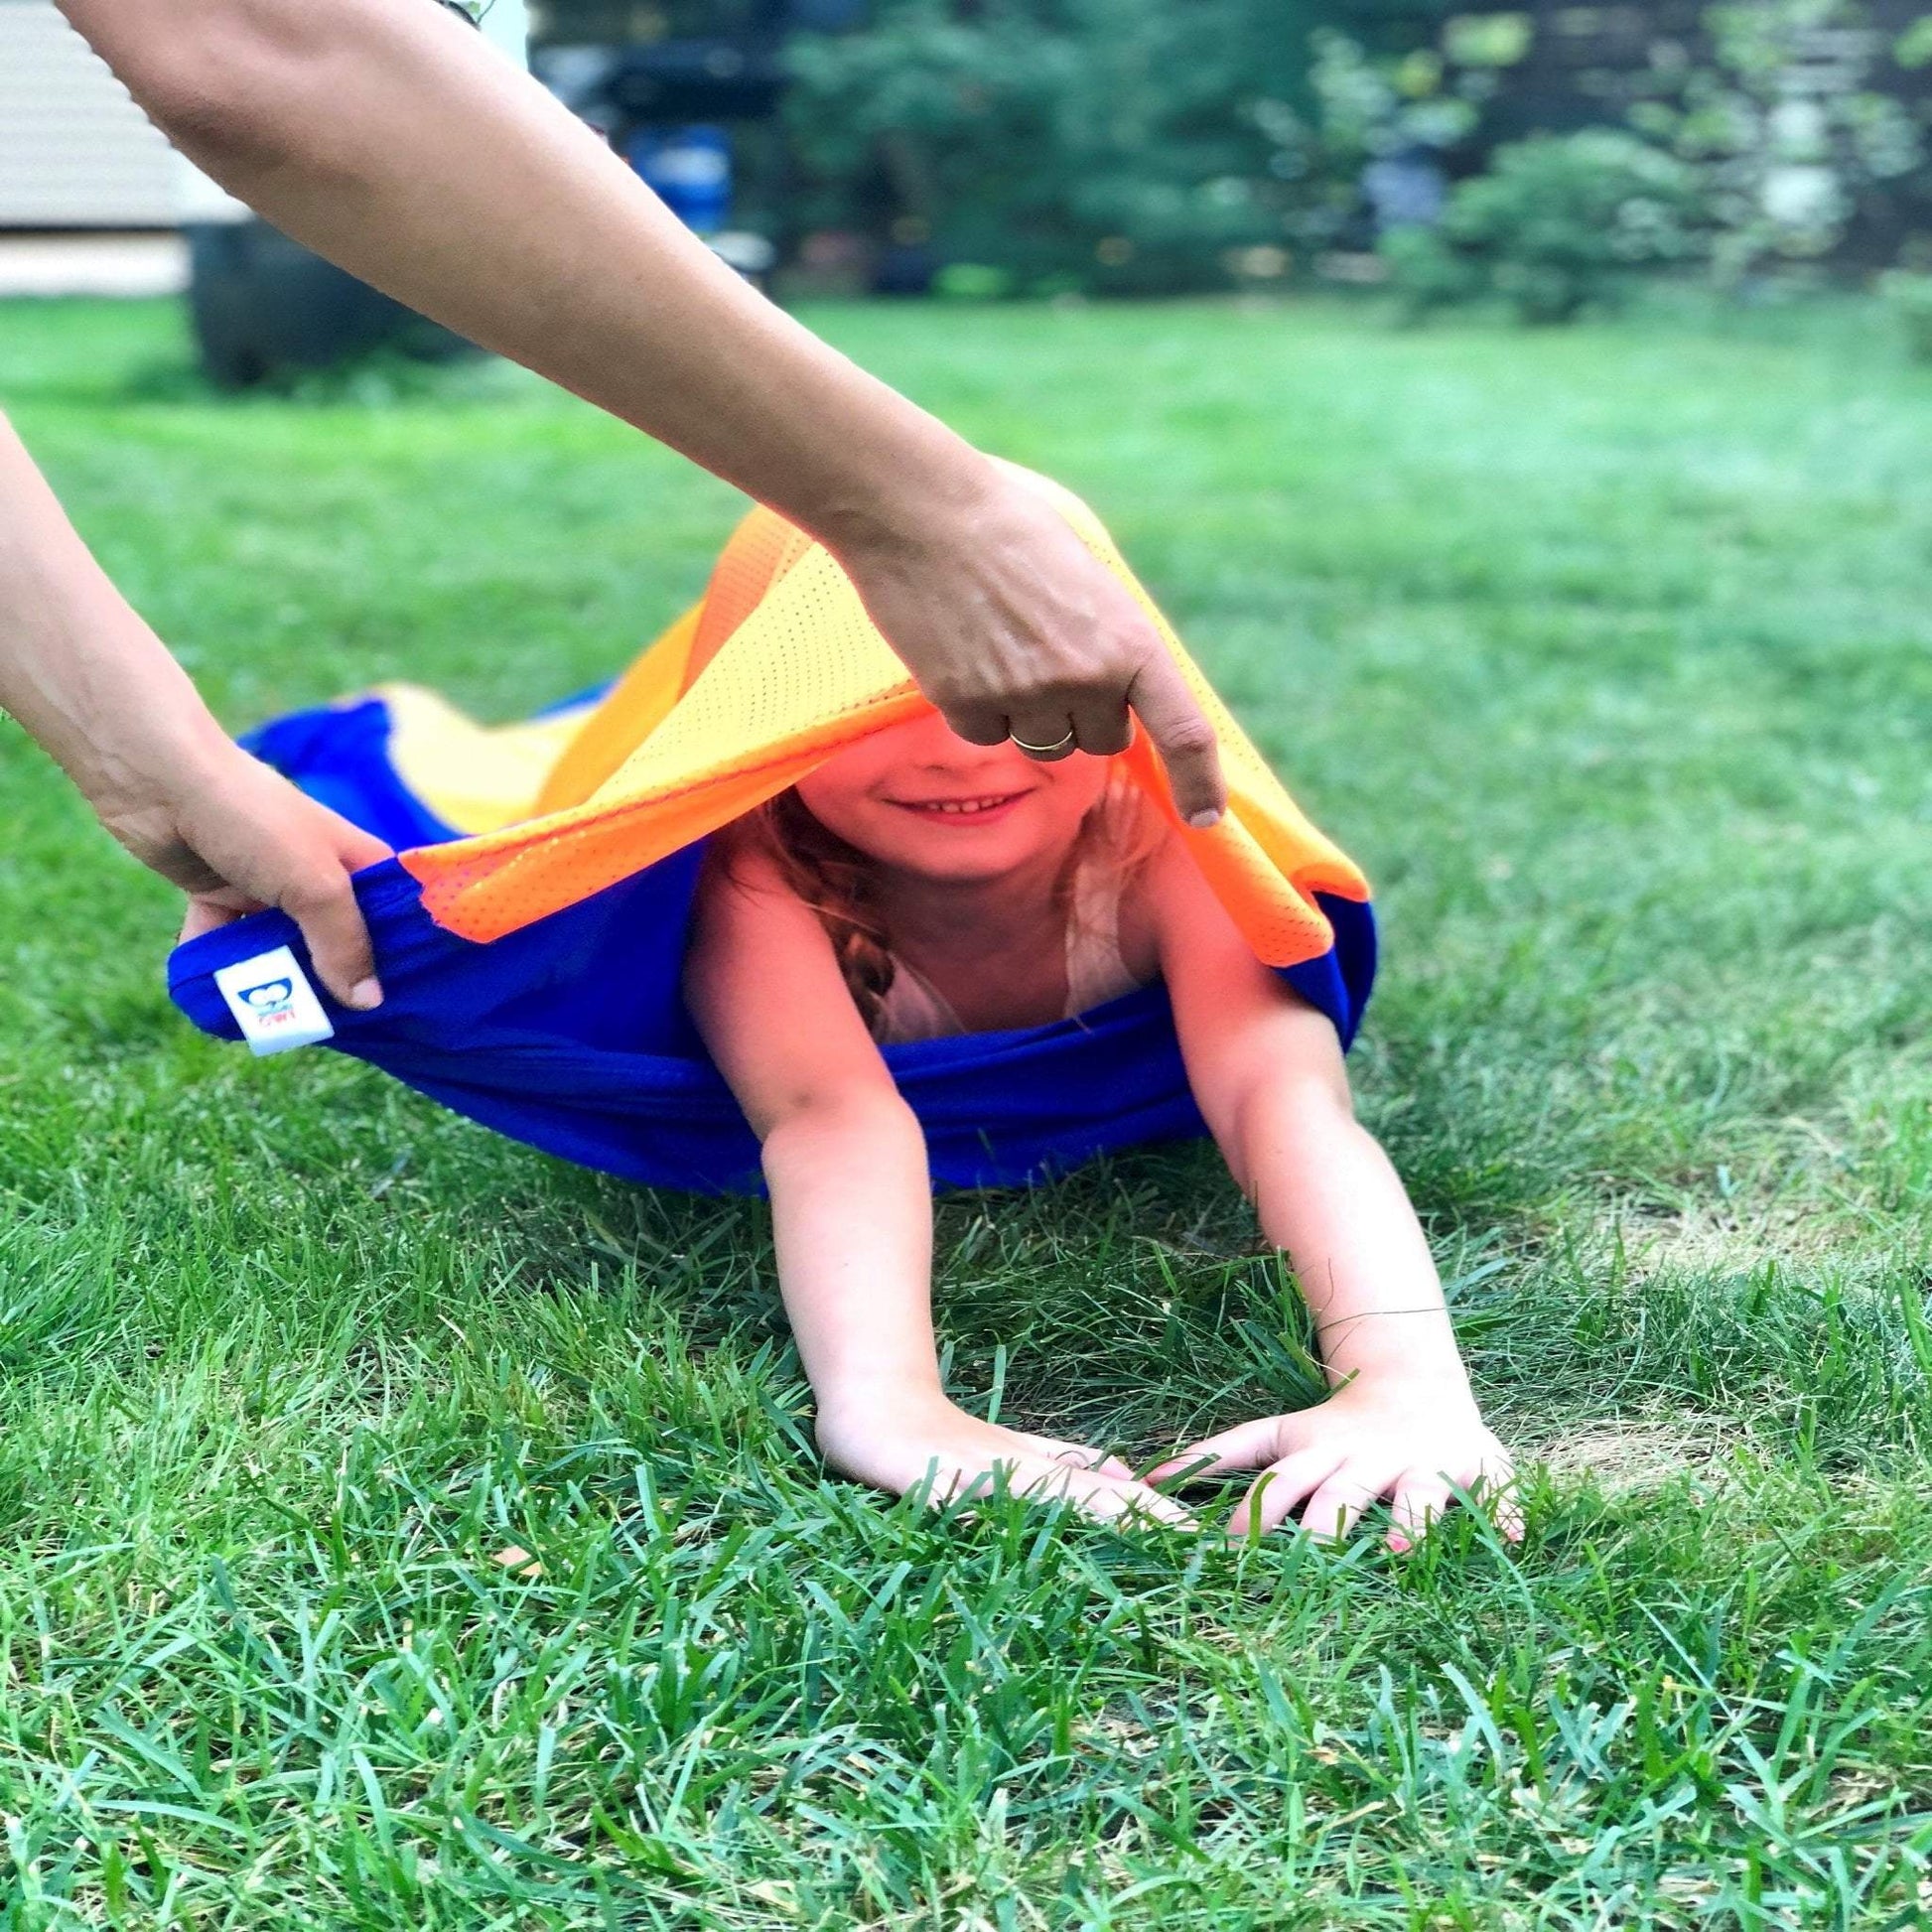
point(399, 1529)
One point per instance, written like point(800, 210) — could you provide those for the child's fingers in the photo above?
point(1333, 1510)
point(1279, 1489)
point(1104, 1495)
point(1083, 1454)
point(1110, 1498)
point(1247, 1445)
point(1107, 1498)
point(1419, 1500)
point(1497, 1488)
point(1117, 1501)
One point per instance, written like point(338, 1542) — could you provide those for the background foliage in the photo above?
point(1112, 143)
point(1135, 146)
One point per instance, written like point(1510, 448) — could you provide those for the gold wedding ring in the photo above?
point(1043, 751)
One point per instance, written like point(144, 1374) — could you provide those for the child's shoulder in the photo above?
point(738, 861)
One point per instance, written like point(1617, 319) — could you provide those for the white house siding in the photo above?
point(75, 151)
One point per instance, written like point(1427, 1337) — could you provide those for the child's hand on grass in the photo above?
point(897, 1440)
point(1406, 1442)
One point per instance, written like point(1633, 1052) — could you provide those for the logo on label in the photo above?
point(272, 1002)
point(272, 997)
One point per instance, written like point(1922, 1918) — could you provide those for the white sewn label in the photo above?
point(273, 1002)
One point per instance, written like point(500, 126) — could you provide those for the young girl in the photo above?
point(916, 886)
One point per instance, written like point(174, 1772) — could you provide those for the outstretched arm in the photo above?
point(391, 139)
point(94, 685)
point(852, 1209)
point(1267, 1071)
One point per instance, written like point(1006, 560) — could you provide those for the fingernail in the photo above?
point(1204, 820)
point(366, 994)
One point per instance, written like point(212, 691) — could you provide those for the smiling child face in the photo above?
point(917, 798)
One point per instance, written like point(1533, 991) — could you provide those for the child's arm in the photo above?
point(1267, 1071)
point(851, 1207)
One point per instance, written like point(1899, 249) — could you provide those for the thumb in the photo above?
point(1184, 738)
point(1247, 1445)
point(331, 923)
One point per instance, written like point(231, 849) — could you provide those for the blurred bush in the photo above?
point(1137, 146)
point(1558, 225)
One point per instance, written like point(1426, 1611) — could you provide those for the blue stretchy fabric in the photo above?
point(571, 1034)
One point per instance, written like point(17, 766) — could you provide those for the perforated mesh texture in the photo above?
point(773, 672)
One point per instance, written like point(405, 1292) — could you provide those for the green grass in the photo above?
point(1608, 652)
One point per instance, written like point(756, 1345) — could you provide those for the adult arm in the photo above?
point(87, 678)
point(391, 139)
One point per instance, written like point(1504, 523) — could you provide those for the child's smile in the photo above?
point(977, 812)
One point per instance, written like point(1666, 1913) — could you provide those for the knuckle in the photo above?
point(1188, 737)
point(316, 892)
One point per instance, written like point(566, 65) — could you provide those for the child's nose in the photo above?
point(934, 743)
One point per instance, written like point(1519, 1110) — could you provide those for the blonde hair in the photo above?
point(840, 882)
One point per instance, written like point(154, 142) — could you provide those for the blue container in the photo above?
point(690, 170)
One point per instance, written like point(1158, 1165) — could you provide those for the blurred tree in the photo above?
point(1142, 146)
point(1111, 144)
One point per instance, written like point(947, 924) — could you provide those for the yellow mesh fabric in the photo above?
point(475, 778)
point(777, 668)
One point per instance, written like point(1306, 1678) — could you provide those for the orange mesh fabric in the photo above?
point(632, 708)
point(776, 670)
point(761, 549)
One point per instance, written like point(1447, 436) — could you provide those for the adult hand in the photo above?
point(238, 837)
point(1012, 626)
point(87, 678)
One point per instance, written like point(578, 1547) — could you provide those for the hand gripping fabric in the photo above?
point(530, 934)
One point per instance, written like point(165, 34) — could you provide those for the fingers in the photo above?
point(1184, 738)
point(1419, 1500)
point(254, 840)
point(331, 920)
point(1081, 1455)
point(1335, 1507)
point(1044, 735)
point(338, 939)
point(1087, 721)
point(1247, 1445)
point(357, 848)
point(976, 721)
point(1496, 1484)
point(1281, 1489)
point(1104, 1497)
point(1109, 1499)
point(1102, 725)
